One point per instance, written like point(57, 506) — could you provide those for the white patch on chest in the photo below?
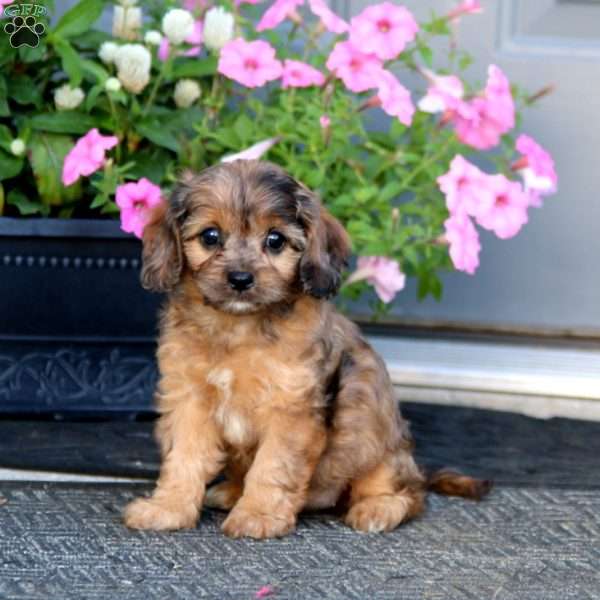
point(233, 425)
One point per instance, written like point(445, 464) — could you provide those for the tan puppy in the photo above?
point(260, 378)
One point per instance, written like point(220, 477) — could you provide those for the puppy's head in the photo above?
point(248, 235)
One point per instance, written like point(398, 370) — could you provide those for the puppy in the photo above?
point(260, 378)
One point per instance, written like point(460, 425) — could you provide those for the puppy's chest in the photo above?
point(250, 388)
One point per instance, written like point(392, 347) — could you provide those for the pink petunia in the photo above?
point(383, 29)
point(249, 63)
point(5, 3)
point(464, 243)
point(443, 94)
point(382, 273)
point(277, 13)
point(254, 152)
point(87, 156)
point(508, 213)
point(194, 39)
point(481, 121)
point(467, 7)
point(395, 98)
point(536, 167)
point(194, 5)
point(330, 20)
point(358, 71)
point(136, 201)
point(299, 74)
point(265, 590)
point(324, 121)
point(466, 188)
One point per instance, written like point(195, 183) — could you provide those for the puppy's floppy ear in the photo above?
point(162, 260)
point(327, 250)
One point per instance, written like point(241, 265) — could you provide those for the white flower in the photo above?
point(112, 84)
point(187, 91)
point(153, 38)
point(218, 28)
point(17, 146)
point(127, 22)
point(107, 52)
point(133, 67)
point(66, 97)
point(254, 152)
point(177, 24)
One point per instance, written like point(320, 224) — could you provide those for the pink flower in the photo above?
point(508, 212)
point(466, 188)
point(136, 200)
point(194, 39)
point(381, 272)
point(395, 98)
point(443, 94)
point(87, 156)
point(358, 71)
point(193, 5)
point(299, 74)
point(467, 7)
point(383, 29)
point(330, 20)
point(481, 121)
point(254, 152)
point(277, 13)
point(5, 2)
point(536, 167)
point(249, 63)
point(464, 243)
point(265, 590)
point(324, 121)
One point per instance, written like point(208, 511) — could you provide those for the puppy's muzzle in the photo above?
point(240, 280)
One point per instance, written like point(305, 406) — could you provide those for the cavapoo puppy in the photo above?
point(260, 378)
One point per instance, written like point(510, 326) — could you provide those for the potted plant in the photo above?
point(94, 127)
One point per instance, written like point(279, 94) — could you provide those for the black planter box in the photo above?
point(77, 331)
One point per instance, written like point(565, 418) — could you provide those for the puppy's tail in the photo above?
point(452, 483)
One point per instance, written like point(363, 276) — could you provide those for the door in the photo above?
point(547, 279)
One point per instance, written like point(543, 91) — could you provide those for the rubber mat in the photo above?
point(508, 448)
point(65, 541)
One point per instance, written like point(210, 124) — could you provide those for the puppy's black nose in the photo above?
point(240, 280)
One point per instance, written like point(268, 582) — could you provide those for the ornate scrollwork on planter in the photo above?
point(78, 379)
point(69, 262)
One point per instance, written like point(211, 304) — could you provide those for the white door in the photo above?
point(547, 279)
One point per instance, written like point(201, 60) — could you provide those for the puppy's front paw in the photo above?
point(149, 513)
point(243, 523)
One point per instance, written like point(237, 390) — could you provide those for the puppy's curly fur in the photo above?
point(262, 380)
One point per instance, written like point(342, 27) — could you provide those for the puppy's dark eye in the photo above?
point(275, 241)
point(210, 237)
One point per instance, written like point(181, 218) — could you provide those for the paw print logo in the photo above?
point(24, 31)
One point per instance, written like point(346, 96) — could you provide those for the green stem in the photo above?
point(159, 79)
point(426, 163)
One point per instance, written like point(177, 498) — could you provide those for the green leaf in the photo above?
point(244, 128)
point(6, 137)
point(194, 67)
point(4, 110)
point(99, 200)
point(9, 165)
point(92, 96)
point(95, 70)
point(151, 163)
point(426, 54)
point(48, 151)
point(71, 61)
point(24, 204)
point(79, 18)
point(24, 90)
point(66, 121)
point(158, 133)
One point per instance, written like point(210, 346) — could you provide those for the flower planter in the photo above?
point(77, 331)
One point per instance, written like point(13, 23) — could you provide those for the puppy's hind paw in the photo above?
point(149, 513)
point(223, 495)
